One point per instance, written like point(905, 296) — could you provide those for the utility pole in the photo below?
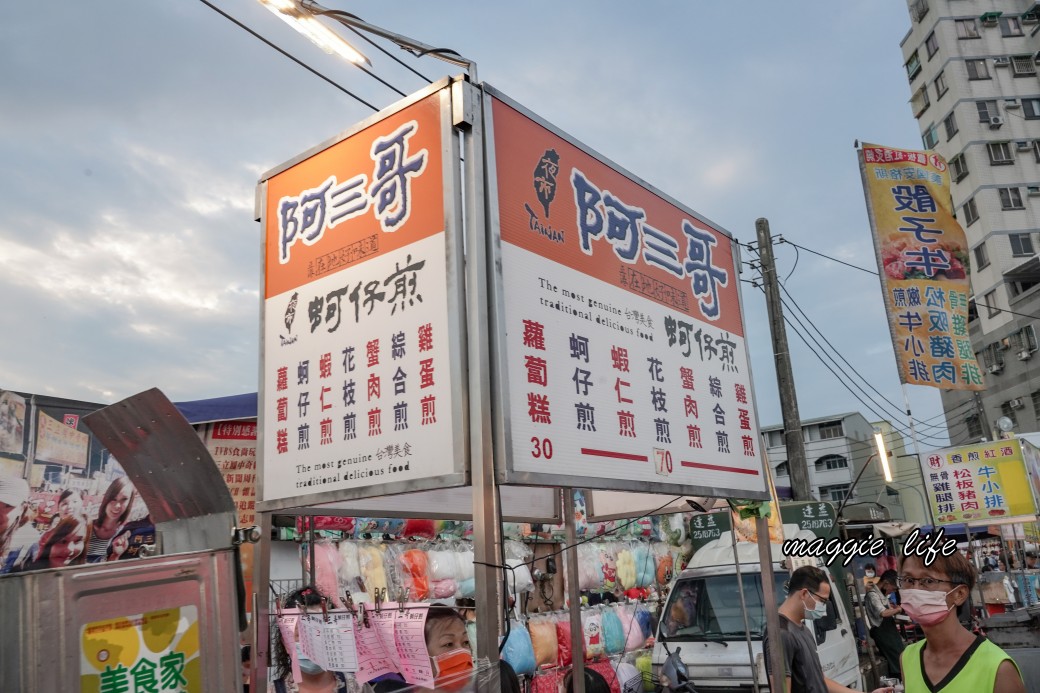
point(980, 411)
point(796, 464)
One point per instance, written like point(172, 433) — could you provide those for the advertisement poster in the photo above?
point(922, 257)
point(12, 422)
point(232, 444)
point(987, 481)
point(358, 362)
point(77, 505)
point(156, 651)
point(625, 355)
point(57, 442)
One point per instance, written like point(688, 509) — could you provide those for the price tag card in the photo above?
point(340, 642)
point(287, 627)
point(410, 639)
point(373, 657)
point(312, 639)
point(383, 623)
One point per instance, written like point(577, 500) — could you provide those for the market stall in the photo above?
point(436, 348)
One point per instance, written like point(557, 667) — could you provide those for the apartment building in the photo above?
point(972, 67)
point(836, 449)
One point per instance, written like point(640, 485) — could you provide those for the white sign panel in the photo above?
point(624, 349)
point(360, 353)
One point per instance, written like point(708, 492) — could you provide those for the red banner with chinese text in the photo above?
point(922, 257)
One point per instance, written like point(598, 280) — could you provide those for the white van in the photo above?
point(703, 617)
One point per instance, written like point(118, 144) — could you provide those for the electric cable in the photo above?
point(288, 55)
point(335, 14)
point(831, 358)
point(797, 307)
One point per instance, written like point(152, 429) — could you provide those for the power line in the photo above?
point(845, 360)
point(288, 55)
point(339, 13)
point(781, 239)
point(846, 385)
point(832, 259)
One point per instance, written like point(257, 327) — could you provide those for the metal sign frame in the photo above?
point(456, 327)
point(506, 472)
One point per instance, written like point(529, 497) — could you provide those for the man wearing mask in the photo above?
point(808, 592)
point(881, 617)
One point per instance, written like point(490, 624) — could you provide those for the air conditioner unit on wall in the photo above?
point(1033, 190)
point(1001, 62)
point(995, 368)
point(995, 122)
point(1012, 103)
point(1022, 146)
point(1016, 403)
point(1025, 355)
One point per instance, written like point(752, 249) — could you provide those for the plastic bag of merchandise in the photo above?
point(467, 586)
point(608, 565)
point(518, 651)
point(643, 560)
point(613, 631)
point(565, 657)
point(372, 566)
point(644, 663)
point(592, 629)
point(543, 639)
point(350, 570)
point(419, 529)
point(412, 570)
point(326, 569)
point(665, 564)
point(634, 638)
point(590, 567)
point(644, 620)
point(626, 566)
point(518, 557)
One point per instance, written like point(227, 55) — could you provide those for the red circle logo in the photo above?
point(937, 162)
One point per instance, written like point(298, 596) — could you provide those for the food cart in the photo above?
point(174, 617)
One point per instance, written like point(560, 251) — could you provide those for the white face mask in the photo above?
point(869, 573)
point(819, 609)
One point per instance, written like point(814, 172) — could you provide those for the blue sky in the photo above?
point(133, 135)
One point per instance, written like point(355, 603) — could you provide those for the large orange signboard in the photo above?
point(359, 330)
point(624, 355)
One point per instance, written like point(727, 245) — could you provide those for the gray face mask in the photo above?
point(309, 667)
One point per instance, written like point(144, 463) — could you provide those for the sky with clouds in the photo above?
point(133, 134)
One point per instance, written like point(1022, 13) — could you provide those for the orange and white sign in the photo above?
point(358, 336)
point(922, 257)
point(57, 443)
point(625, 355)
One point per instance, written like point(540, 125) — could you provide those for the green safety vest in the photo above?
point(975, 672)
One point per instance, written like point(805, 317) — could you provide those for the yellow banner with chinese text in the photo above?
point(986, 481)
point(922, 257)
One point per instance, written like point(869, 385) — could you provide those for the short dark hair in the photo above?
point(955, 566)
point(889, 576)
point(808, 576)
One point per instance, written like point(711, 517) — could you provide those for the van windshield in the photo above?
point(708, 608)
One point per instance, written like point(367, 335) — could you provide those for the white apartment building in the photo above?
point(836, 449)
point(972, 66)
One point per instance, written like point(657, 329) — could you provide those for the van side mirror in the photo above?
point(827, 623)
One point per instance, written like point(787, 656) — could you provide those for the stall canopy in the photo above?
point(230, 408)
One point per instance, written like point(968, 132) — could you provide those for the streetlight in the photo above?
point(879, 441)
point(293, 14)
point(302, 15)
point(881, 454)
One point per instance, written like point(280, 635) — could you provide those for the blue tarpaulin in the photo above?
point(231, 408)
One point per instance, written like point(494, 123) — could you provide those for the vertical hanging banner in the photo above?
point(922, 257)
point(361, 323)
point(620, 356)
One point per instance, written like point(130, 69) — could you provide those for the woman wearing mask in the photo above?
point(950, 658)
point(112, 515)
point(313, 679)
